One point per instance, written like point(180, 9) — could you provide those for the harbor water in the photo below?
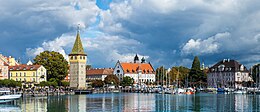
point(130, 102)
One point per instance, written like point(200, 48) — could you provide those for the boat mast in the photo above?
point(256, 76)
point(169, 77)
point(178, 78)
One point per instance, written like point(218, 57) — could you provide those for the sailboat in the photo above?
point(179, 90)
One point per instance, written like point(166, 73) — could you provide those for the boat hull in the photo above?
point(9, 98)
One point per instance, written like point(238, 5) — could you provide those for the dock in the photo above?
point(83, 91)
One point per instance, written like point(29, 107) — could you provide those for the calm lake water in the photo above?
point(130, 102)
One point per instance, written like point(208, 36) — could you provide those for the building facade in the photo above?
point(28, 74)
point(10, 61)
point(4, 63)
point(99, 73)
point(228, 74)
point(77, 60)
point(141, 72)
point(3, 70)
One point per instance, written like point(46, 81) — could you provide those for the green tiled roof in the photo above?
point(78, 47)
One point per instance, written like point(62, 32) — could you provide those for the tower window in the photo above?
point(71, 57)
point(80, 57)
point(75, 57)
point(83, 57)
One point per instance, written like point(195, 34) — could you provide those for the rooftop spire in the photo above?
point(78, 28)
point(78, 47)
point(136, 59)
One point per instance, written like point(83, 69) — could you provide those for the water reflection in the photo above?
point(129, 102)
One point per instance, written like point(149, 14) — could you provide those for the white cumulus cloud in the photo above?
point(207, 46)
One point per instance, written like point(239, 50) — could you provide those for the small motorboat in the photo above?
point(190, 91)
point(6, 97)
point(240, 92)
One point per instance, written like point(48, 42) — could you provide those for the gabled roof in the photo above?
point(134, 67)
point(100, 71)
point(24, 67)
point(229, 65)
point(7, 60)
point(78, 47)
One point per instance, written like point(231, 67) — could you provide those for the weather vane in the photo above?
point(78, 27)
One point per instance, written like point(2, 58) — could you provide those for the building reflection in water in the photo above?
point(129, 102)
point(77, 103)
point(35, 104)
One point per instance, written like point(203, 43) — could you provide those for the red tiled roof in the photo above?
point(134, 67)
point(101, 71)
point(23, 67)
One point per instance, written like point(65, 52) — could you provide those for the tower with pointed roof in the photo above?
point(77, 60)
point(136, 59)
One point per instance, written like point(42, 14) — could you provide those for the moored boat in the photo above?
point(6, 97)
point(240, 92)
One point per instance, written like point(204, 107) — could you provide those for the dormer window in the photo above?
point(221, 67)
point(127, 70)
point(133, 71)
point(242, 68)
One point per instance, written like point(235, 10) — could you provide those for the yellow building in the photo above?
point(28, 74)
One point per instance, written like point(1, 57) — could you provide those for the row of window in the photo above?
point(75, 57)
point(145, 80)
point(74, 66)
point(20, 79)
point(21, 74)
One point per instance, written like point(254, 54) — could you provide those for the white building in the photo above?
point(228, 73)
point(141, 72)
point(98, 73)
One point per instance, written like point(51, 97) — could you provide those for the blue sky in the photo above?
point(166, 32)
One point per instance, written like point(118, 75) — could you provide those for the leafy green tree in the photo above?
point(55, 64)
point(10, 83)
point(97, 83)
point(127, 81)
point(65, 83)
point(44, 83)
point(88, 67)
point(111, 79)
point(179, 73)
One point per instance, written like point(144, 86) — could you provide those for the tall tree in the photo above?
point(111, 79)
point(255, 72)
point(55, 64)
point(196, 75)
point(196, 63)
